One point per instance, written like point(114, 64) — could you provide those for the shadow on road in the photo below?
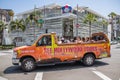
point(117, 47)
point(58, 67)
point(13, 69)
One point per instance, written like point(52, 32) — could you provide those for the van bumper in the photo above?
point(15, 61)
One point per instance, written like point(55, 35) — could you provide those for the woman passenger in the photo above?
point(79, 40)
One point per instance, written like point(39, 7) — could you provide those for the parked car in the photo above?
point(113, 42)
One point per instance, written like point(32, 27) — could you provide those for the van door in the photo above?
point(44, 49)
point(106, 47)
point(103, 46)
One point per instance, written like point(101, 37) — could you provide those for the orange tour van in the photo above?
point(47, 51)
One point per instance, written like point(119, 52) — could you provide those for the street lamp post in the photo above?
point(77, 25)
point(46, 30)
point(34, 21)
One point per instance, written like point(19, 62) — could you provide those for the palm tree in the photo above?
point(2, 27)
point(38, 16)
point(104, 23)
point(27, 21)
point(90, 18)
point(11, 13)
point(33, 17)
point(112, 16)
point(17, 25)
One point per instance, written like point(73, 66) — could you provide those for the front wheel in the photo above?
point(88, 60)
point(28, 64)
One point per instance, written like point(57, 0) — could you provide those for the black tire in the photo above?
point(28, 64)
point(88, 60)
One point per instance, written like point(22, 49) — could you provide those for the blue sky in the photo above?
point(104, 7)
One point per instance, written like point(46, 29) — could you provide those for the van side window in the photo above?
point(99, 38)
point(45, 41)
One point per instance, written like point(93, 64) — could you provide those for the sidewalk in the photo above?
point(5, 52)
point(118, 45)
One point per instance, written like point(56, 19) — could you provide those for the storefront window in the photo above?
point(68, 28)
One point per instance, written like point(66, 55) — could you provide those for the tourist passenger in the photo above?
point(79, 40)
point(83, 39)
point(101, 39)
point(62, 39)
point(75, 39)
point(59, 40)
point(87, 39)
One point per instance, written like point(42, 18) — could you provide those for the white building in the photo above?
point(4, 35)
point(116, 26)
point(60, 19)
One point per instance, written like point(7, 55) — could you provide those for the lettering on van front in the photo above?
point(27, 51)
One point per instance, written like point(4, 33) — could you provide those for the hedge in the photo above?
point(6, 46)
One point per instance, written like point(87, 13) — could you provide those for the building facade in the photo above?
point(114, 23)
point(116, 28)
point(64, 20)
point(6, 19)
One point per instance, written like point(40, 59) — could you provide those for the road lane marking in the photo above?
point(1, 78)
point(93, 69)
point(1, 54)
point(101, 75)
point(39, 76)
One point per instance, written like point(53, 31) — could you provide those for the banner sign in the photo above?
point(66, 9)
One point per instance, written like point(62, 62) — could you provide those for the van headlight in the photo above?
point(14, 54)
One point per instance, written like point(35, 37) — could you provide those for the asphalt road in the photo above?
point(104, 69)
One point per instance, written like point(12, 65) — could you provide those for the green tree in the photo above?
point(30, 19)
point(27, 21)
point(11, 13)
point(2, 27)
point(104, 24)
point(33, 18)
point(17, 25)
point(89, 19)
point(112, 15)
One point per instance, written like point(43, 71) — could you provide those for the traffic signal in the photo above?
point(31, 16)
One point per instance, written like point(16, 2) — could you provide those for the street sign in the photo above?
point(77, 25)
point(40, 21)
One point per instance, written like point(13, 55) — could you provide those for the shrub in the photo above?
point(6, 46)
